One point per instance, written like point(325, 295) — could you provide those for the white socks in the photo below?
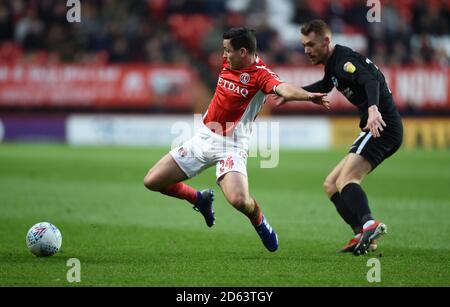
point(368, 224)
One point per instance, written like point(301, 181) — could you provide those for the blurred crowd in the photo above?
point(190, 31)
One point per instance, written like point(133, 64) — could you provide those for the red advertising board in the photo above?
point(424, 88)
point(140, 86)
point(170, 86)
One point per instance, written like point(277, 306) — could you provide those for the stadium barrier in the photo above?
point(299, 132)
point(174, 87)
point(32, 128)
point(421, 88)
point(268, 132)
point(428, 133)
point(425, 132)
point(112, 86)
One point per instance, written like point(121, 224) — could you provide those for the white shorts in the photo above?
point(207, 148)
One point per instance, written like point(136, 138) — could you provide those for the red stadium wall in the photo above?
point(418, 87)
point(112, 86)
point(174, 87)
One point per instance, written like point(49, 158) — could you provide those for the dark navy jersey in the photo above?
point(359, 80)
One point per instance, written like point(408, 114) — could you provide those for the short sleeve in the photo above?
point(267, 80)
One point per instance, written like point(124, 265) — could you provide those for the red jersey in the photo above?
point(239, 96)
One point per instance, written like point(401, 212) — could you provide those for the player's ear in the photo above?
point(243, 52)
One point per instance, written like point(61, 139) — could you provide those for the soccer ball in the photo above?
point(44, 239)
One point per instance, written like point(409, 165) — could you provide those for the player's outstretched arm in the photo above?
point(289, 92)
point(321, 86)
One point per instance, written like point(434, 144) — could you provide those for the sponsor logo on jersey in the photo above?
point(232, 87)
point(347, 92)
point(349, 67)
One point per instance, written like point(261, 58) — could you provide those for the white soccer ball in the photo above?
point(44, 239)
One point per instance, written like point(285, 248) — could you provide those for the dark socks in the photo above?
point(347, 215)
point(355, 198)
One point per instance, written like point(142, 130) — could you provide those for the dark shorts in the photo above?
point(375, 150)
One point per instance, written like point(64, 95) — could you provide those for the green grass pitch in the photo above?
point(124, 235)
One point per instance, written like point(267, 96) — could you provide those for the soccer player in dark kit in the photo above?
point(363, 84)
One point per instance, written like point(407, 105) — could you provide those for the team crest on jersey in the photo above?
point(245, 78)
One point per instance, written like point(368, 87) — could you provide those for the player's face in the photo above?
point(234, 57)
point(316, 47)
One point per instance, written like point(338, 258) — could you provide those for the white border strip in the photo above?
point(363, 143)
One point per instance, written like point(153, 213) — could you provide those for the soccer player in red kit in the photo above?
point(223, 138)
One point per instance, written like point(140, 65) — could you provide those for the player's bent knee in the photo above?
point(329, 187)
point(151, 183)
point(239, 201)
point(340, 183)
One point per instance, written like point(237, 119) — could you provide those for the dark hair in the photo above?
point(241, 38)
point(317, 26)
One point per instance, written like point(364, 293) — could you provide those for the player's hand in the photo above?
point(319, 98)
point(280, 100)
point(375, 122)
